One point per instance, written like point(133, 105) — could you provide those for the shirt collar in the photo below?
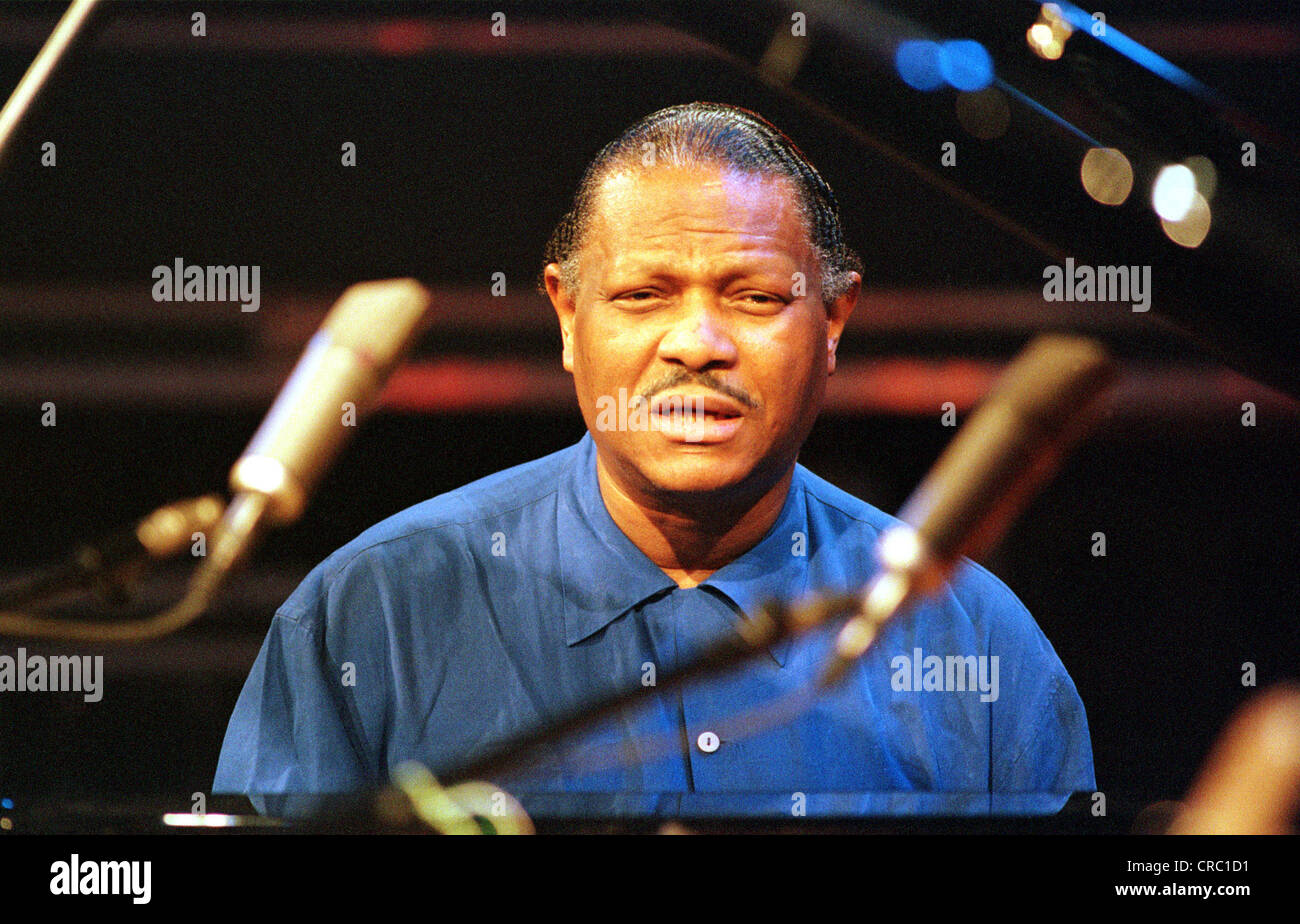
point(776, 568)
point(604, 574)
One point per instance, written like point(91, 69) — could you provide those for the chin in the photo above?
point(697, 474)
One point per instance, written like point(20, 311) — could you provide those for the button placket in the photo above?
point(704, 618)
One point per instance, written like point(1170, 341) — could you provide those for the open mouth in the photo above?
point(696, 418)
point(688, 414)
point(710, 407)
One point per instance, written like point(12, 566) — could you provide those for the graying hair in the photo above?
point(701, 133)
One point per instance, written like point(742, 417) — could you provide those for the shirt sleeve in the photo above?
point(290, 736)
point(1038, 726)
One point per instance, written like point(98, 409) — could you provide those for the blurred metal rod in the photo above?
point(20, 101)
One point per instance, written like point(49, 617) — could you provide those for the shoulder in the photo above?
point(980, 593)
point(828, 503)
point(430, 534)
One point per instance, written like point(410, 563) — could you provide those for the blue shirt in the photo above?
point(472, 617)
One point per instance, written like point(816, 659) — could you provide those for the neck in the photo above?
point(690, 540)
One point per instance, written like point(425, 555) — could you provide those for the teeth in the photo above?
point(677, 413)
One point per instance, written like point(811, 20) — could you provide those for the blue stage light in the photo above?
point(965, 64)
point(918, 63)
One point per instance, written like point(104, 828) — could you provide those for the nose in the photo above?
point(699, 338)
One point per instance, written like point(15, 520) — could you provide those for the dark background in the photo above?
point(225, 150)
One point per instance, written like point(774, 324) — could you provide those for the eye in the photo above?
point(761, 301)
point(637, 298)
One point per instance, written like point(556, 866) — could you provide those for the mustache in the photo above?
point(704, 379)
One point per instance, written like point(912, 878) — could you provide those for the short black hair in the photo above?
point(712, 133)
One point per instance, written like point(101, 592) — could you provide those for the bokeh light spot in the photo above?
point(918, 64)
point(1107, 175)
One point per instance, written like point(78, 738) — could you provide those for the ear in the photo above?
point(837, 315)
point(562, 299)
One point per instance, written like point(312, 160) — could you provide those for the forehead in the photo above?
point(698, 209)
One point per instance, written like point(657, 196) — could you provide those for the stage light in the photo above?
point(1047, 37)
point(1107, 175)
point(1192, 228)
point(918, 63)
point(965, 64)
point(1173, 192)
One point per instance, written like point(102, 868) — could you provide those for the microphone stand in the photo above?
point(112, 564)
point(72, 26)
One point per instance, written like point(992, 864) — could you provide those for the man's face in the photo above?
point(688, 295)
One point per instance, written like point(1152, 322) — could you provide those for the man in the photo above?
point(702, 283)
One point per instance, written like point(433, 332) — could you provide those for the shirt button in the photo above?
point(707, 742)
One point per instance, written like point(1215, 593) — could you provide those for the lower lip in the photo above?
point(681, 428)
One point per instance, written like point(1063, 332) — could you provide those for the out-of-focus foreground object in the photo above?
point(1251, 782)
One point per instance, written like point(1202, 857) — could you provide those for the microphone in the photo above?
point(1038, 408)
point(362, 340)
point(364, 337)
